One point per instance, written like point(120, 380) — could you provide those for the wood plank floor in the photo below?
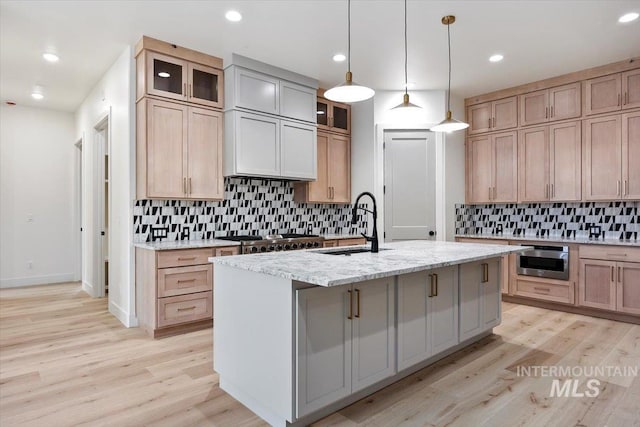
point(65, 361)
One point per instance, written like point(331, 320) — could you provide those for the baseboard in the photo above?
point(119, 313)
point(37, 280)
point(87, 287)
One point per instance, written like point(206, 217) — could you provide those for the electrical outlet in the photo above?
point(30, 265)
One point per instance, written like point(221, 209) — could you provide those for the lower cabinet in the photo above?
point(174, 289)
point(479, 297)
point(427, 314)
point(610, 285)
point(352, 241)
point(345, 341)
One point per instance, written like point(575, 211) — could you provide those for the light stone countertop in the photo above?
point(577, 240)
point(185, 244)
point(313, 267)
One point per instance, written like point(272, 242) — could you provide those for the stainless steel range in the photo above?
point(275, 243)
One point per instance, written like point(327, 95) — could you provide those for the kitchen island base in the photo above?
point(294, 352)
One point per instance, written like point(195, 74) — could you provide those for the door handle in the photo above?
point(553, 191)
point(612, 279)
point(184, 185)
point(620, 274)
point(350, 316)
point(358, 303)
point(617, 187)
point(618, 100)
point(485, 272)
point(189, 185)
point(546, 191)
point(431, 286)
point(190, 90)
point(625, 190)
point(552, 111)
point(489, 122)
point(546, 112)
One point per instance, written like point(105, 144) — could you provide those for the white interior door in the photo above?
point(409, 185)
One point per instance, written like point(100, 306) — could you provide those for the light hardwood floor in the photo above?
point(65, 361)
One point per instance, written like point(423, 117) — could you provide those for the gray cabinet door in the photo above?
point(373, 337)
point(257, 144)
point(298, 150)
point(257, 91)
point(443, 310)
point(323, 362)
point(470, 300)
point(491, 295)
point(413, 325)
point(297, 102)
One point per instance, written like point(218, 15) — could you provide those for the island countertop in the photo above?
point(315, 267)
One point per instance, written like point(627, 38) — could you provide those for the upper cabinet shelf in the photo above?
point(614, 92)
point(172, 72)
point(558, 103)
point(493, 116)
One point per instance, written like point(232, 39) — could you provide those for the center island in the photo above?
point(299, 335)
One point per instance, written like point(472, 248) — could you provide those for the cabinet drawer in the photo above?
point(610, 253)
point(184, 257)
point(352, 242)
point(545, 291)
point(233, 250)
point(184, 308)
point(184, 280)
point(329, 243)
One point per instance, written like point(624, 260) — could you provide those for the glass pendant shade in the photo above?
point(449, 125)
point(349, 91)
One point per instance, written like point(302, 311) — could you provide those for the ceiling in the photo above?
point(538, 39)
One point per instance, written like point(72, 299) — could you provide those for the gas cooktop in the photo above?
point(252, 244)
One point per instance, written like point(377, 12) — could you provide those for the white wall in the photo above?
point(115, 94)
point(369, 118)
point(37, 156)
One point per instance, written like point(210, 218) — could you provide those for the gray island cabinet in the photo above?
point(299, 335)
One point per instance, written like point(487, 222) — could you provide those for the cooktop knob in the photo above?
point(316, 244)
point(279, 248)
point(263, 249)
point(309, 244)
point(294, 246)
point(254, 249)
point(270, 248)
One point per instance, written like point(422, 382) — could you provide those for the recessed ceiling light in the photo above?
point(51, 57)
point(339, 57)
point(233, 16)
point(37, 95)
point(628, 17)
point(496, 58)
point(164, 74)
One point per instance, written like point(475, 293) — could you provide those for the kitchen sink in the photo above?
point(348, 252)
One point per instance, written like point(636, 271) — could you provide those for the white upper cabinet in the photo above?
point(256, 91)
point(297, 102)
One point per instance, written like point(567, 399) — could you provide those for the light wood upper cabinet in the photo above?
point(170, 77)
point(493, 116)
point(333, 116)
point(602, 158)
point(492, 168)
point(550, 163)
point(558, 103)
point(631, 156)
point(613, 92)
point(333, 184)
point(631, 89)
point(179, 151)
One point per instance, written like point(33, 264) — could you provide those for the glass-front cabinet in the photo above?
point(333, 116)
point(179, 79)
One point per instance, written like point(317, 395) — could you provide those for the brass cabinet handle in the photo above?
point(625, 190)
point(184, 89)
point(617, 187)
point(489, 122)
point(546, 112)
point(546, 191)
point(489, 193)
point(190, 258)
point(626, 98)
point(618, 100)
point(193, 307)
point(553, 191)
point(495, 193)
point(184, 185)
point(552, 111)
point(358, 303)
point(328, 192)
point(435, 276)
point(431, 286)
point(620, 274)
point(350, 316)
point(485, 272)
point(186, 280)
point(612, 274)
point(190, 90)
point(542, 289)
point(189, 186)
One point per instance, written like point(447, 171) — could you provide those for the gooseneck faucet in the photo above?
point(374, 237)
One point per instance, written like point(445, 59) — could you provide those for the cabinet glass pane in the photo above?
point(322, 113)
point(340, 118)
point(205, 85)
point(167, 76)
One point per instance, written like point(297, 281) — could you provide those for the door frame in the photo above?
point(79, 217)
point(101, 146)
point(378, 172)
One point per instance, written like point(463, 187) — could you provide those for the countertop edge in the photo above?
point(575, 241)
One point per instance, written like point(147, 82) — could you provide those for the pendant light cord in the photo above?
point(449, 90)
point(406, 79)
point(349, 35)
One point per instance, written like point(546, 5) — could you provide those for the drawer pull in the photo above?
point(193, 307)
point(619, 274)
point(191, 258)
point(186, 280)
point(350, 316)
point(542, 289)
point(358, 303)
point(614, 255)
point(485, 273)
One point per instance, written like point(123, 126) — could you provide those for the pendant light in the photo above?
point(449, 124)
point(405, 105)
point(349, 91)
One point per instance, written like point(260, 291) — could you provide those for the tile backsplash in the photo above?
point(250, 206)
point(618, 220)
